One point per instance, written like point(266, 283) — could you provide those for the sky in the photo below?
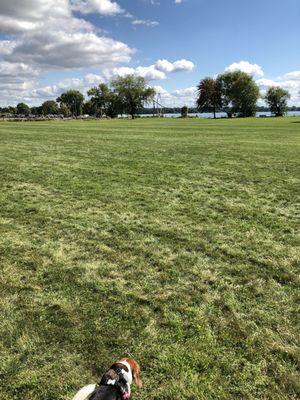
point(50, 46)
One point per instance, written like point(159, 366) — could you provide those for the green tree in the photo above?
point(64, 110)
point(12, 110)
point(23, 109)
point(100, 97)
point(276, 98)
point(239, 93)
point(36, 110)
point(50, 107)
point(73, 99)
point(184, 112)
point(114, 105)
point(9, 110)
point(133, 92)
point(89, 108)
point(209, 95)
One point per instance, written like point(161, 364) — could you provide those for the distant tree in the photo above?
point(64, 110)
point(12, 110)
point(114, 105)
point(239, 93)
point(89, 108)
point(184, 112)
point(36, 110)
point(50, 107)
point(100, 98)
point(73, 99)
point(133, 92)
point(209, 96)
point(276, 98)
point(23, 109)
point(9, 110)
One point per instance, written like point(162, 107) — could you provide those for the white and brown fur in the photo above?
point(134, 369)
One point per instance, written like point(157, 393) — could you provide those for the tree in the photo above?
point(239, 93)
point(36, 110)
point(73, 99)
point(89, 108)
point(64, 110)
point(209, 95)
point(9, 110)
point(100, 98)
point(23, 109)
point(12, 110)
point(50, 107)
point(114, 105)
point(184, 112)
point(133, 92)
point(276, 98)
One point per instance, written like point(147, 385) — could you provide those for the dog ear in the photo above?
point(137, 376)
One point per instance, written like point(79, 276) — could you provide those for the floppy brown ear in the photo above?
point(137, 376)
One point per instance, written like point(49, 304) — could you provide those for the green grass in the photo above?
point(172, 241)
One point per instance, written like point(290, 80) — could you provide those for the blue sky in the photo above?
point(46, 48)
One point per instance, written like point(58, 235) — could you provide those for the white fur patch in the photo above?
point(84, 393)
point(127, 375)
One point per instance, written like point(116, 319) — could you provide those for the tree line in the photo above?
point(123, 95)
point(235, 93)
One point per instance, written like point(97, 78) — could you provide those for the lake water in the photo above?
point(223, 115)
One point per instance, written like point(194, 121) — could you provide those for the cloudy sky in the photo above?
point(48, 46)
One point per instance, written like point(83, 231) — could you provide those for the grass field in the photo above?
point(172, 241)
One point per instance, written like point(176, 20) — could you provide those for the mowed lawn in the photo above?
point(171, 241)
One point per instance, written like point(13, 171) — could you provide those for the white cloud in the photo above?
point(295, 75)
point(147, 23)
point(54, 38)
point(189, 92)
point(180, 65)
point(266, 83)
point(16, 70)
point(245, 66)
point(82, 84)
point(15, 80)
point(6, 47)
point(149, 73)
point(60, 49)
point(104, 7)
point(26, 15)
point(157, 71)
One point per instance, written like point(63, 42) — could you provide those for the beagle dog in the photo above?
point(115, 383)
